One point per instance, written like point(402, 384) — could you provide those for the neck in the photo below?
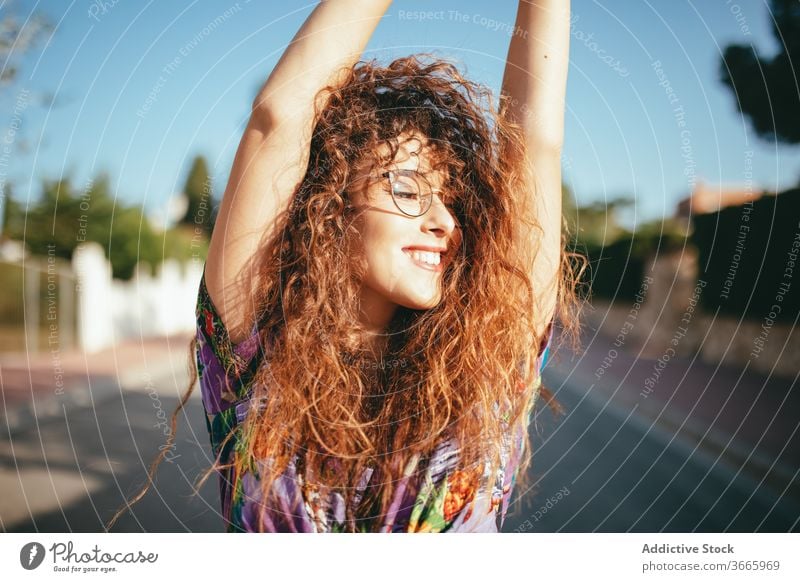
point(375, 314)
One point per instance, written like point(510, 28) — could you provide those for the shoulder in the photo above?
point(223, 367)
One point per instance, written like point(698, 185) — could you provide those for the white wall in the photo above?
point(110, 311)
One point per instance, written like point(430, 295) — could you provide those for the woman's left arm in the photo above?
point(534, 86)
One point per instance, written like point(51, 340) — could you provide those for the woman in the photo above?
point(381, 283)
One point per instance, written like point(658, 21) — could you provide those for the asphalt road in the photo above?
point(598, 468)
point(604, 468)
point(78, 467)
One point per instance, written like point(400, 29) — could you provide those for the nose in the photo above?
point(439, 218)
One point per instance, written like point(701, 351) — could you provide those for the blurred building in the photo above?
point(708, 198)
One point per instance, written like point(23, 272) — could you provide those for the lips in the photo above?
point(442, 250)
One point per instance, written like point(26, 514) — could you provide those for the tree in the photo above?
point(16, 39)
point(199, 196)
point(11, 214)
point(596, 224)
point(765, 88)
point(63, 218)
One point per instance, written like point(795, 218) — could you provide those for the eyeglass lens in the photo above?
point(411, 192)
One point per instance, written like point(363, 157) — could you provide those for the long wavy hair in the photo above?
point(463, 369)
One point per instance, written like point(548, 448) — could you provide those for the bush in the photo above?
point(617, 269)
point(745, 257)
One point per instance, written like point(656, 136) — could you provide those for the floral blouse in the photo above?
point(432, 497)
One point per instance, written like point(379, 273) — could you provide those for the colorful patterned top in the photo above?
point(433, 496)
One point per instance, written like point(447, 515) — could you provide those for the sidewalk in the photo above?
point(38, 385)
point(83, 430)
point(742, 418)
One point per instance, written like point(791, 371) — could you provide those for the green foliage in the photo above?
point(749, 258)
point(615, 270)
point(618, 266)
point(766, 88)
point(660, 236)
point(10, 209)
point(595, 233)
point(198, 192)
point(64, 218)
point(18, 35)
point(185, 244)
point(595, 224)
point(132, 241)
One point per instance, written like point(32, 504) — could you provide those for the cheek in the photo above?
point(369, 249)
point(379, 237)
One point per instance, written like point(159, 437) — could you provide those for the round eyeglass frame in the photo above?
point(426, 200)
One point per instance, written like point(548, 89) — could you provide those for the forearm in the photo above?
point(332, 37)
point(274, 150)
point(534, 90)
point(535, 76)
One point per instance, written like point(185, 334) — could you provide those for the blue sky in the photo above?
point(623, 135)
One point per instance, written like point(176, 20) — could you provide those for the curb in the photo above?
point(715, 449)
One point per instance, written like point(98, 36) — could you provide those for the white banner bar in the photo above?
point(401, 557)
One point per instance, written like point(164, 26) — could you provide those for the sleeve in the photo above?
point(224, 368)
point(542, 357)
point(544, 346)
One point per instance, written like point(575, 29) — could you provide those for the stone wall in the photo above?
point(666, 319)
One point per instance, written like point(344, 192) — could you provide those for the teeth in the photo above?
point(426, 257)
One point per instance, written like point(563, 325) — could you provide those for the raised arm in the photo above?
point(534, 84)
point(274, 150)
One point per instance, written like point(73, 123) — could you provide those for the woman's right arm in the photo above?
point(274, 150)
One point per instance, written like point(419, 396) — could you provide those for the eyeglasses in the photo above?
point(411, 192)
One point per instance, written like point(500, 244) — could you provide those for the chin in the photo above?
point(420, 303)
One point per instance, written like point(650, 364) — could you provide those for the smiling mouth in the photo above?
point(426, 260)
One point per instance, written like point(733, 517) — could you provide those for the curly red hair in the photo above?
point(323, 401)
